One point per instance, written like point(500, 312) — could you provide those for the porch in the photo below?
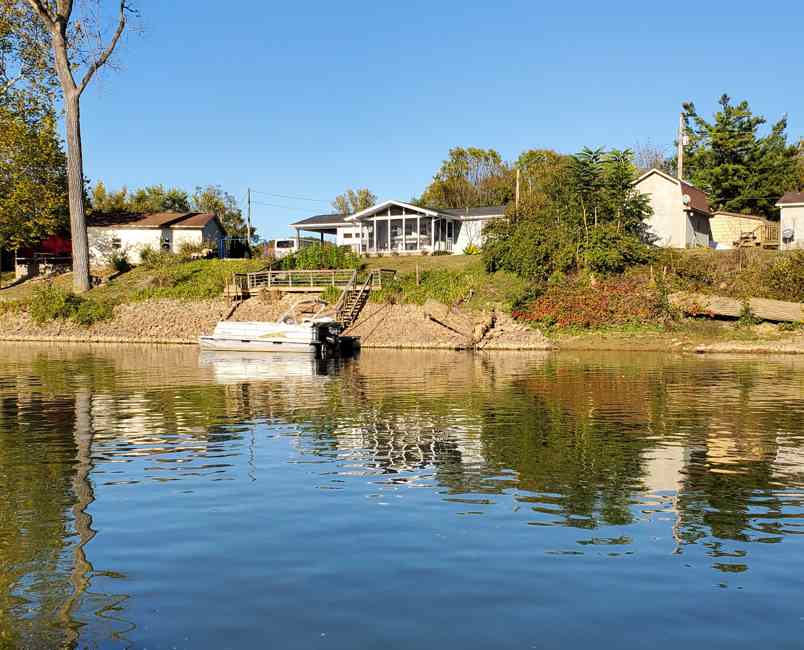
point(412, 235)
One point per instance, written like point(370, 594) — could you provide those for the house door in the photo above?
point(166, 240)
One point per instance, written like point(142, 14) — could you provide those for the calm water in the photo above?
point(153, 499)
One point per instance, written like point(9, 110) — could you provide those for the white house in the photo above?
point(792, 220)
point(131, 233)
point(681, 211)
point(395, 226)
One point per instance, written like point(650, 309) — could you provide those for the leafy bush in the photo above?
point(90, 311)
point(471, 249)
point(784, 277)
point(528, 248)
point(196, 250)
point(50, 302)
point(610, 250)
point(614, 301)
point(118, 260)
point(323, 256)
point(152, 258)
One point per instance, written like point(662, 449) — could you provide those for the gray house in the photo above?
point(395, 226)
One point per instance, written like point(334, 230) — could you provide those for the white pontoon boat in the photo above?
point(312, 334)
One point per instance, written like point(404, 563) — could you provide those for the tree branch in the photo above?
point(64, 8)
point(7, 86)
point(104, 57)
point(43, 12)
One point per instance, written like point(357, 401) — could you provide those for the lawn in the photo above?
point(407, 264)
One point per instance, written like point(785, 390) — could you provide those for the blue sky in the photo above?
point(308, 98)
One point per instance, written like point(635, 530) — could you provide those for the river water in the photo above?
point(152, 498)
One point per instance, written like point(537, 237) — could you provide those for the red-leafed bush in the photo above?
point(580, 303)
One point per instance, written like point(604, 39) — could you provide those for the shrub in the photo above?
point(118, 260)
point(152, 258)
point(196, 250)
point(50, 303)
point(609, 250)
point(613, 301)
point(784, 277)
point(471, 249)
point(324, 256)
point(90, 311)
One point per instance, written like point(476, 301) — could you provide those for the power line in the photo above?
point(288, 196)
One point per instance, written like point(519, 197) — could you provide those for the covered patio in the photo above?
point(403, 228)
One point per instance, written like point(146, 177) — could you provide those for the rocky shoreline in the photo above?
point(379, 326)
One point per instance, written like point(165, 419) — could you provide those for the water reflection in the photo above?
point(116, 463)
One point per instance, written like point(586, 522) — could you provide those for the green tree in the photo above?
point(158, 198)
point(352, 201)
point(33, 177)
point(544, 181)
point(75, 34)
point(741, 170)
point(212, 198)
point(470, 177)
point(586, 215)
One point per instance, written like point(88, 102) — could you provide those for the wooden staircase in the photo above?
point(354, 298)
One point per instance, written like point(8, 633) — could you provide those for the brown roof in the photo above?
point(195, 220)
point(792, 197)
point(150, 220)
point(698, 199)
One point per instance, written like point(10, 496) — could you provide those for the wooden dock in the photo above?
point(243, 285)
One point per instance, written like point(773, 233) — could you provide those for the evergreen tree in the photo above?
point(739, 169)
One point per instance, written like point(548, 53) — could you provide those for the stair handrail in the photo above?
point(345, 293)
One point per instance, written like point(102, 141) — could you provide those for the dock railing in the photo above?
point(243, 284)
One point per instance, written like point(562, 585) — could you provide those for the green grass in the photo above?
point(194, 280)
point(407, 264)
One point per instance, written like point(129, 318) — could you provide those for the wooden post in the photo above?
point(681, 136)
point(432, 234)
point(404, 233)
point(517, 191)
point(418, 233)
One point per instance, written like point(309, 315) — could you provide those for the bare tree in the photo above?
point(649, 156)
point(78, 45)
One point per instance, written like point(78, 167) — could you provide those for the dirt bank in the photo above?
point(397, 326)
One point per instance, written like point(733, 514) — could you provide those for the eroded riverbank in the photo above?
point(400, 327)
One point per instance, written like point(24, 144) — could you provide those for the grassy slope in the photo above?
point(448, 279)
point(181, 280)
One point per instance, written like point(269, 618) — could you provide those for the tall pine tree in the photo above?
point(741, 170)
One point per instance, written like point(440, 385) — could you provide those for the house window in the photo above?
point(116, 243)
point(449, 230)
point(347, 235)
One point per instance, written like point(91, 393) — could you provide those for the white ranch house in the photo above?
point(395, 226)
point(133, 232)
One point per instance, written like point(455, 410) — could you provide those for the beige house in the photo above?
point(132, 232)
point(681, 214)
point(792, 220)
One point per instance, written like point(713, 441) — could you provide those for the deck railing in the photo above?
point(242, 284)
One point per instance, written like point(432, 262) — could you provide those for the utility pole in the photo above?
point(248, 218)
point(517, 191)
point(682, 140)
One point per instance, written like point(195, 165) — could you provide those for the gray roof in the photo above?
point(337, 219)
point(322, 219)
point(488, 211)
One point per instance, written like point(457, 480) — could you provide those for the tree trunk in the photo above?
point(75, 186)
